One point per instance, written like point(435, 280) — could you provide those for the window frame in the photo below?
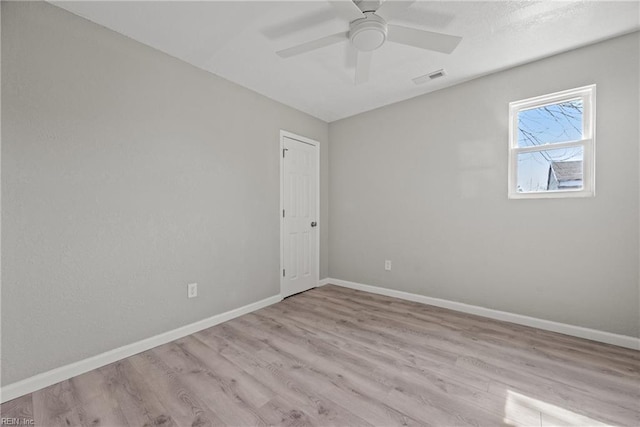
point(588, 96)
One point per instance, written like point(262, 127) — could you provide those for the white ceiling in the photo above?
point(238, 40)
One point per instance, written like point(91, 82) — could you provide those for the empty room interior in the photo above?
point(322, 213)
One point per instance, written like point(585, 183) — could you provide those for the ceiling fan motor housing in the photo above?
point(368, 33)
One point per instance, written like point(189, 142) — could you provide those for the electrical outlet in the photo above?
point(192, 290)
point(387, 265)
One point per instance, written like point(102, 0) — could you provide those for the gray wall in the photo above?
point(127, 174)
point(424, 183)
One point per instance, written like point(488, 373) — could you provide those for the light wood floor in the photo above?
point(335, 356)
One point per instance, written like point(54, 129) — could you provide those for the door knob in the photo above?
point(313, 224)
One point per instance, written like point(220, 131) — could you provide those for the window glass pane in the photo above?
point(551, 123)
point(559, 169)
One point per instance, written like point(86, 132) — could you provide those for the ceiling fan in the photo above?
point(368, 31)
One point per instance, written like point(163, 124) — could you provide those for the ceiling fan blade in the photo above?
point(363, 65)
point(391, 8)
point(415, 13)
point(313, 45)
point(350, 56)
point(423, 39)
point(347, 9)
point(298, 23)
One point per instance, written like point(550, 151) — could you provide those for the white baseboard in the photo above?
point(62, 373)
point(548, 325)
point(326, 281)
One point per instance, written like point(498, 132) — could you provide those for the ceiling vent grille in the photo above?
point(436, 74)
point(431, 76)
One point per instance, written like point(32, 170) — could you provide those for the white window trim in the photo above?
point(588, 96)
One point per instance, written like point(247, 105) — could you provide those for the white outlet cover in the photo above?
point(192, 290)
point(387, 265)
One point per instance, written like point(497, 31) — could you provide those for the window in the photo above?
point(552, 145)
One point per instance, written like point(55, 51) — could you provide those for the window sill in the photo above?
point(552, 194)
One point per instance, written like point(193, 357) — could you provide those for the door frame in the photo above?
point(286, 134)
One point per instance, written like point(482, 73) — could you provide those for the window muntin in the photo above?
point(551, 145)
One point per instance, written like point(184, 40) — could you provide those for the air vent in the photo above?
point(436, 74)
point(428, 77)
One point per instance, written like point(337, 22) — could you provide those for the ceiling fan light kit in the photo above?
point(368, 31)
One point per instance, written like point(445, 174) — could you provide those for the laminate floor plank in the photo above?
point(617, 392)
point(461, 319)
point(552, 392)
point(443, 381)
point(244, 387)
point(137, 401)
point(214, 389)
point(20, 409)
point(409, 354)
point(437, 379)
point(99, 405)
point(365, 332)
point(333, 382)
point(608, 385)
point(57, 405)
point(438, 403)
point(282, 412)
point(182, 403)
point(320, 410)
point(334, 356)
point(596, 363)
point(314, 406)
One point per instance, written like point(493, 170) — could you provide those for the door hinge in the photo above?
point(283, 151)
point(283, 273)
point(282, 213)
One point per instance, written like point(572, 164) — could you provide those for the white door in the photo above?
point(299, 215)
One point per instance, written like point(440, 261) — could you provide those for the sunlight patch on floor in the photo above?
point(550, 415)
